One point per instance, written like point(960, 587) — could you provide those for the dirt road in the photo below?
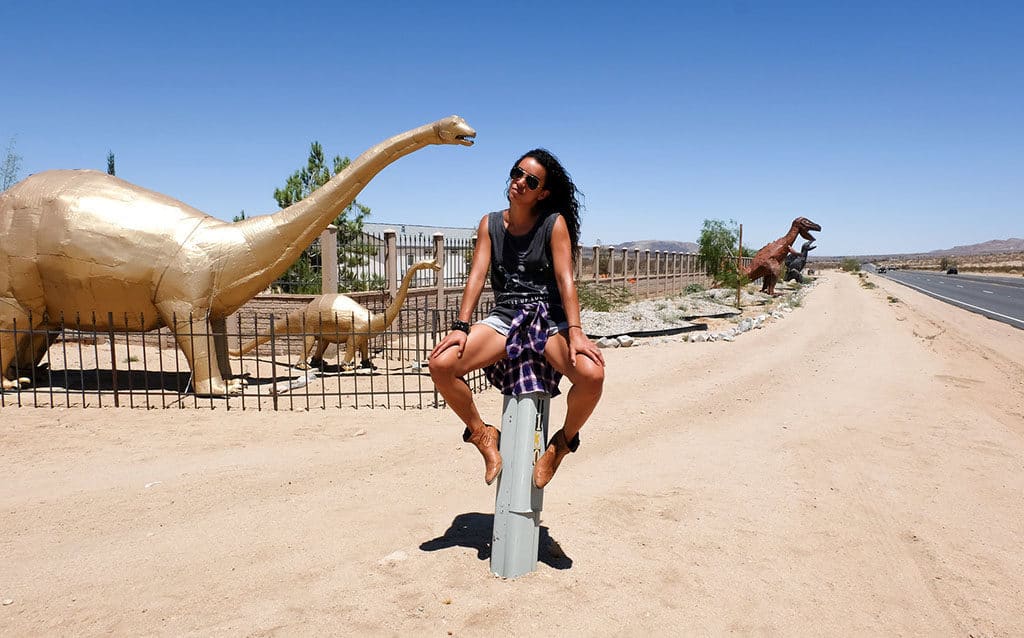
point(854, 469)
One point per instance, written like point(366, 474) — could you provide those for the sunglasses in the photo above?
point(531, 182)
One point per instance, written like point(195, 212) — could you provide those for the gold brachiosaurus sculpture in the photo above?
point(339, 319)
point(767, 262)
point(74, 244)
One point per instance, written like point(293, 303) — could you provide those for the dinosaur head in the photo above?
point(454, 130)
point(426, 263)
point(804, 226)
point(807, 246)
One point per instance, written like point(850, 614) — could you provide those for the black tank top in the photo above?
point(522, 270)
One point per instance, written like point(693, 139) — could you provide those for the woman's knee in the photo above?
point(445, 365)
point(588, 374)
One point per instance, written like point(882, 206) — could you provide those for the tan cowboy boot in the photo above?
point(486, 440)
point(546, 466)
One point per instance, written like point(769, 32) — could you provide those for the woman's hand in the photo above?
point(455, 338)
point(580, 343)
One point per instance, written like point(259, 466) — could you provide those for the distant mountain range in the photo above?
point(994, 246)
point(1012, 245)
point(656, 245)
point(991, 247)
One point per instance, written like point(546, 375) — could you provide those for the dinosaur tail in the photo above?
point(292, 324)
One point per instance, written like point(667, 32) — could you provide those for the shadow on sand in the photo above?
point(473, 530)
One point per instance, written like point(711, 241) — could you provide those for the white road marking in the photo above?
point(988, 292)
point(960, 303)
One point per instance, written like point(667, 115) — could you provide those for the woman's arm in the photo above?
point(477, 271)
point(561, 254)
point(471, 293)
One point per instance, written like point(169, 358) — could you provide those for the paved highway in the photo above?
point(999, 298)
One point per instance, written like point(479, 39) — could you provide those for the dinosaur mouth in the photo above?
point(466, 140)
point(806, 232)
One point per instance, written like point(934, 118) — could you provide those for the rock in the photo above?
point(608, 342)
point(625, 341)
point(394, 557)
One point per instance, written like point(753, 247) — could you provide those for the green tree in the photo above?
point(110, 163)
point(303, 276)
point(11, 166)
point(718, 249)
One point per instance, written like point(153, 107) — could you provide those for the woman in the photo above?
point(530, 249)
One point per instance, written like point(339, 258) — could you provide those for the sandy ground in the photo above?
point(854, 469)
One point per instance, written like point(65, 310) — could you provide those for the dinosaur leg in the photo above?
point(194, 336)
point(350, 352)
point(32, 352)
point(14, 339)
point(307, 345)
point(364, 350)
point(318, 356)
point(220, 351)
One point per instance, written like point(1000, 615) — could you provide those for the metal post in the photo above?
point(517, 503)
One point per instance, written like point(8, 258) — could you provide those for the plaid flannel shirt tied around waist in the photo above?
point(525, 369)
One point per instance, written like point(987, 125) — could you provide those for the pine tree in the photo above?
point(304, 275)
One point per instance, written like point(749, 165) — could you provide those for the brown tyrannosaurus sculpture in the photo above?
point(339, 319)
point(82, 244)
point(768, 260)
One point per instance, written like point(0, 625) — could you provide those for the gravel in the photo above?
point(657, 314)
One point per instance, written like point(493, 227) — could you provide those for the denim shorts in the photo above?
point(503, 328)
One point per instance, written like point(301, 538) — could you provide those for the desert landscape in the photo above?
point(853, 469)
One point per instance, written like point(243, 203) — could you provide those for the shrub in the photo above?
point(850, 265)
point(602, 298)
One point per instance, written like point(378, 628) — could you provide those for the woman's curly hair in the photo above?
point(563, 196)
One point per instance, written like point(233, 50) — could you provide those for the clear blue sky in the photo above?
point(897, 126)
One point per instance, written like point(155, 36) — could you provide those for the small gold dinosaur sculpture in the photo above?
point(340, 320)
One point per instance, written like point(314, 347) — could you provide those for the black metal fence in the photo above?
point(104, 362)
point(365, 262)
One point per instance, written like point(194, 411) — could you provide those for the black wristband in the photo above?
point(459, 324)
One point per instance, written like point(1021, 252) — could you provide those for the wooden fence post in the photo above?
point(329, 260)
point(647, 273)
point(439, 275)
point(391, 262)
point(625, 267)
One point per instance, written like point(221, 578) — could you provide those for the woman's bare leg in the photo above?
point(587, 378)
point(484, 346)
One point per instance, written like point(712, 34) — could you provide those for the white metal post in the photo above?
point(517, 504)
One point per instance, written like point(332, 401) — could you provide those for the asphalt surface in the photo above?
point(998, 298)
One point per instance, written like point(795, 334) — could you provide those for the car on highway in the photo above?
point(951, 271)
